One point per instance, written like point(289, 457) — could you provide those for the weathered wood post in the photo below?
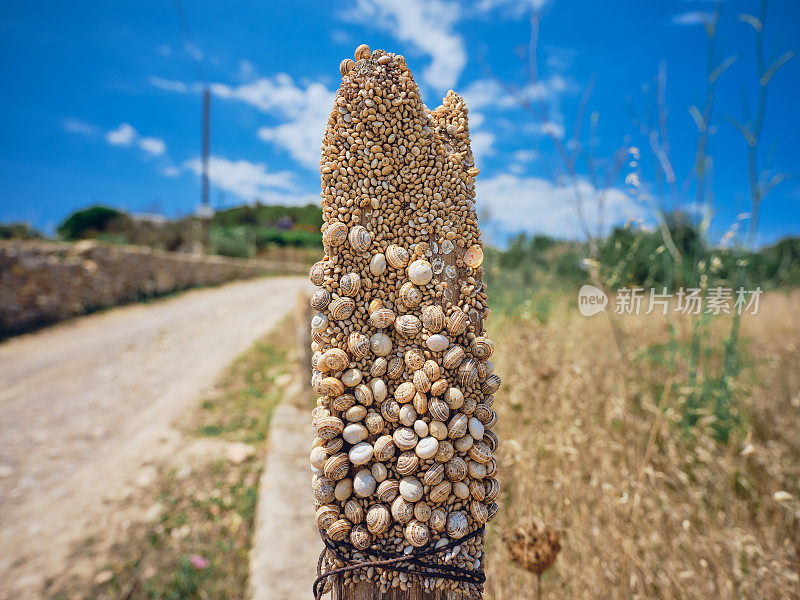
point(404, 478)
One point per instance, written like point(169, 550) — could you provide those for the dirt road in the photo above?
point(84, 405)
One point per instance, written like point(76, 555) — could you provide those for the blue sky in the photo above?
point(102, 102)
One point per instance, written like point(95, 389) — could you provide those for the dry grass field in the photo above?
point(644, 508)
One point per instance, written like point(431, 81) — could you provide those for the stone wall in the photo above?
point(44, 282)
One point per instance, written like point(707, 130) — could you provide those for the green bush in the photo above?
point(89, 222)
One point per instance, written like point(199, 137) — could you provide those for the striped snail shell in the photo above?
point(479, 512)
point(410, 295)
point(360, 239)
point(402, 510)
point(317, 272)
point(335, 359)
point(320, 299)
point(405, 438)
point(469, 405)
point(377, 264)
point(350, 284)
point(378, 368)
point(408, 326)
point(382, 318)
point(354, 511)
point(467, 372)
point(323, 490)
point(414, 359)
point(319, 322)
point(355, 413)
point(422, 511)
point(476, 490)
point(490, 437)
point(318, 456)
point(420, 403)
point(456, 524)
point(433, 318)
point(329, 427)
point(358, 344)
point(439, 387)
point(319, 337)
point(445, 452)
point(374, 423)
point(380, 344)
point(420, 272)
point(491, 385)
point(397, 256)
point(486, 415)
point(455, 469)
point(432, 370)
point(346, 66)
point(457, 322)
point(481, 347)
point(388, 490)
point(343, 402)
point(327, 515)
point(491, 467)
point(492, 487)
point(454, 398)
point(363, 394)
point(491, 510)
point(378, 519)
point(404, 392)
point(339, 529)
point(421, 381)
point(333, 446)
point(407, 463)
point(440, 492)
point(362, 52)
point(342, 308)
point(395, 368)
point(360, 537)
point(453, 357)
point(435, 474)
point(457, 426)
point(337, 466)
point(417, 533)
point(485, 368)
point(438, 520)
point(384, 448)
point(335, 234)
point(438, 409)
point(390, 411)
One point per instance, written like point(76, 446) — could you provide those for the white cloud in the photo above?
point(514, 8)
point(482, 143)
point(164, 49)
point(534, 205)
point(169, 84)
point(524, 155)
point(154, 146)
point(250, 181)
point(339, 36)
point(170, 171)
point(79, 127)
point(692, 17)
point(427, 26)
point(122, 135)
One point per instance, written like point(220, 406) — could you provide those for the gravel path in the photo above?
point(85, 404)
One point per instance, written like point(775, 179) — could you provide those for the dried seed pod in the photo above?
point(342, 308)
point(397, 256)
point(335, 234)
point(417, 533)
point(378, 519)
point(320, 299)
point(350, 284)
point(410, 295)
point(433, 318)
point(360, 239)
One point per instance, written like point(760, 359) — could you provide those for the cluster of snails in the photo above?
point(403, 453)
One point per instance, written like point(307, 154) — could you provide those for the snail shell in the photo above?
point(476, 470)
point(344, 489)
point(454, 398)
point(335, 359)
point(421, 381)
point(364, 395)
point(384, 448)
point(333, 446)
point(440, 492)
point(491, 385)
point(432, 370)
point(455, 469)
point(408, 416)
point(354, 433)
point(379, 472)
point(404, 392)
point(354, 511)
point(453, 357)
point(456, 524)
point(364, 483)
point(320, 299)
point(326, 515)
point(438, 409)
point(339, 530)
point(319, 322)
point(360, 537)
point(374, 423)
point(359, 344)
point(382, 318)
point(464, 443)
point(491, 510)
point(317, 272)
point(350, 284)
point(435, 474)
point(342, 308)
point(492, 487)
point(490, 437)
point(337, 466)
point(411, 489)
point(329, 427)
point(335, 234)
point(458, 426)
point(388, 490)
point(323, 490)
point(420, 272)
point(391, 411)
point(427, 447)
point(438, 430)
point(491, 468)
point(417, 533)
point(445, 452)
point(405, 438)
point(352, 377)
point(355, 413)
point(439, 387)
point(317, 457)
point(397, 256)
point(408, 326)
point(378, 368)
point(476, 428)
point(473, 257)
point(414, 359)
point(379, 389)
point(380, 344)
point(486, 415)
point(479, 512)
point(407, 463)
point(420, 403)
point(421, 427)
point(422, 511)
point(377, 264)
point(481, 347)
point(344, 402)
point(460, 490)
point(469, 405)
point(467, 372)
point(477, 490)
point(438, 520)
point(410, 295)
point(433, 318)
point(457, 322)
point(378, 519)
point(395, 368)
point(402, 510)
point(362, 52)
point(345, 66)
point(360, 239)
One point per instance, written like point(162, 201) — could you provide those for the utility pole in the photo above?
point(205, 212)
